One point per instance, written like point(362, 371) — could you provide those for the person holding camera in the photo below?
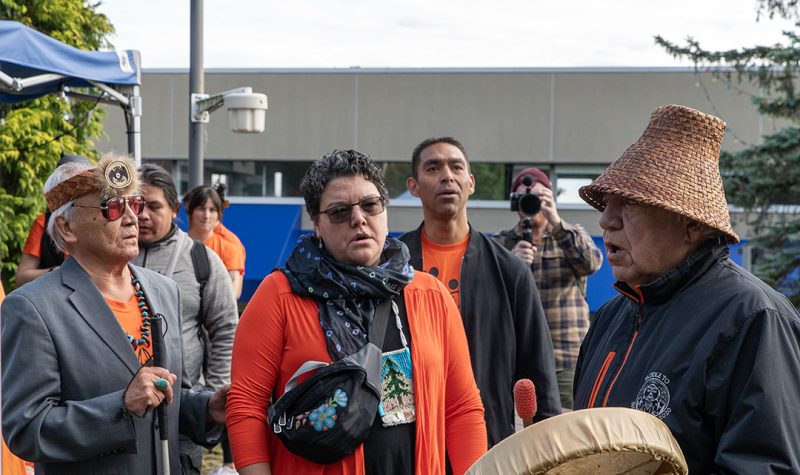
point(561, 256)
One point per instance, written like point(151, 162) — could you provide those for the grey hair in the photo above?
point(67, 211)
point(337, 164)
point(707, 233)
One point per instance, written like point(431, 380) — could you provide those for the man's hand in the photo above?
point(216, 405)
point(549, 210)
point(142, 393)
point(525, 251)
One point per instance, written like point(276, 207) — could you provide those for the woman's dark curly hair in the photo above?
point(337, 164)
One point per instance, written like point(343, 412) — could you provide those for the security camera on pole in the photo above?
point(247, 110)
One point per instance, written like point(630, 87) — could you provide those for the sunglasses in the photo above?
point(114, 208)
point(371, 206)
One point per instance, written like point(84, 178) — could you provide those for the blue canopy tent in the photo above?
point(33, 64)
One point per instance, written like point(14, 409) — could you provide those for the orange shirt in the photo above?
point(231, 254)
point(228, 235)
point(443, 261)
point(33, 245)
point(280, 330)
point(130, 319)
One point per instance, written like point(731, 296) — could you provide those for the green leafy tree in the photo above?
point(764, 178)
point(490, 181)
point(34, 133)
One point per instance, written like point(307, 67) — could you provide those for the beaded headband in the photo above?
point(114, 176)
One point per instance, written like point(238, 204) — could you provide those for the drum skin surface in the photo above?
point(598, 441)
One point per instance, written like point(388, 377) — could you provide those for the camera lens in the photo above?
point(530, 204)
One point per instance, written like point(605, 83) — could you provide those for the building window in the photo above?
point(281, 179)
point(243, 177)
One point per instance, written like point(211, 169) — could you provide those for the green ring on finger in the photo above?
point(161, 384)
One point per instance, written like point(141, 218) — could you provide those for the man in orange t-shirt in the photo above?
point(500, 306)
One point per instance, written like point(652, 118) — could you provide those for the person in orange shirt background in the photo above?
point(220, 229)
point(40, 255)
point(204, 207)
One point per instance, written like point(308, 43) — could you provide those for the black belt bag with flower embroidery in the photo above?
point(330, 414)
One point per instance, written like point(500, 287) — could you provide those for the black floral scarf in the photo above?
point(347, 295)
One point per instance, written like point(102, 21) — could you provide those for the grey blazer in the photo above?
point(66, 363)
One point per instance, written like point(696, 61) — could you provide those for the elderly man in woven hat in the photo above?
point(693, 339)
point(79, 384)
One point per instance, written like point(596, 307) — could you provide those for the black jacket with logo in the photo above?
point(506, 330)
point(713, 352)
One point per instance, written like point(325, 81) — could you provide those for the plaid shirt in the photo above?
point(566, 256)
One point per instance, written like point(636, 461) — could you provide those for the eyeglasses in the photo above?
point(371, 206)
point(114, 208)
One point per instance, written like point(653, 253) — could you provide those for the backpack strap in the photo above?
point(202, 268)
point(380, 321)
point(376, 337)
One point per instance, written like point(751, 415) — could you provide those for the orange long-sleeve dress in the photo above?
point(280, 330)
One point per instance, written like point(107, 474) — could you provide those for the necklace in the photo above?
point(141, 344)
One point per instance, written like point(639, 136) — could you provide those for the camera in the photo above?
point(527, 203)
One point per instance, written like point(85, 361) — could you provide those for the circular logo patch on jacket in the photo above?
point(653, 396)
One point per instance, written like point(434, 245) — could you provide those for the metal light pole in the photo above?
point(247, 110)
point(197, 129)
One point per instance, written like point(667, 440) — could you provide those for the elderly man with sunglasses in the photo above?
point(79, 382)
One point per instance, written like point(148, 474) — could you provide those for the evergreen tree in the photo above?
point(34, 133)
point(764, 178)
point(394, 384)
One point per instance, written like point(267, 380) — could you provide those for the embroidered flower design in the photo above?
point(340, 397)
point(322, 418)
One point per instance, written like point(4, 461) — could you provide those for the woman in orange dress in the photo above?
point(321, 306)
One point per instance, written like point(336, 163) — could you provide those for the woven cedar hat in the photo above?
point(674, 166)
point(114, 176)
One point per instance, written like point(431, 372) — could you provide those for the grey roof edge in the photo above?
point(360, 70)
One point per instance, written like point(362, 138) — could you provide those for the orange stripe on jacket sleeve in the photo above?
point(599, 381)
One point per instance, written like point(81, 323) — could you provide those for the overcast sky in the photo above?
point(433, 33)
